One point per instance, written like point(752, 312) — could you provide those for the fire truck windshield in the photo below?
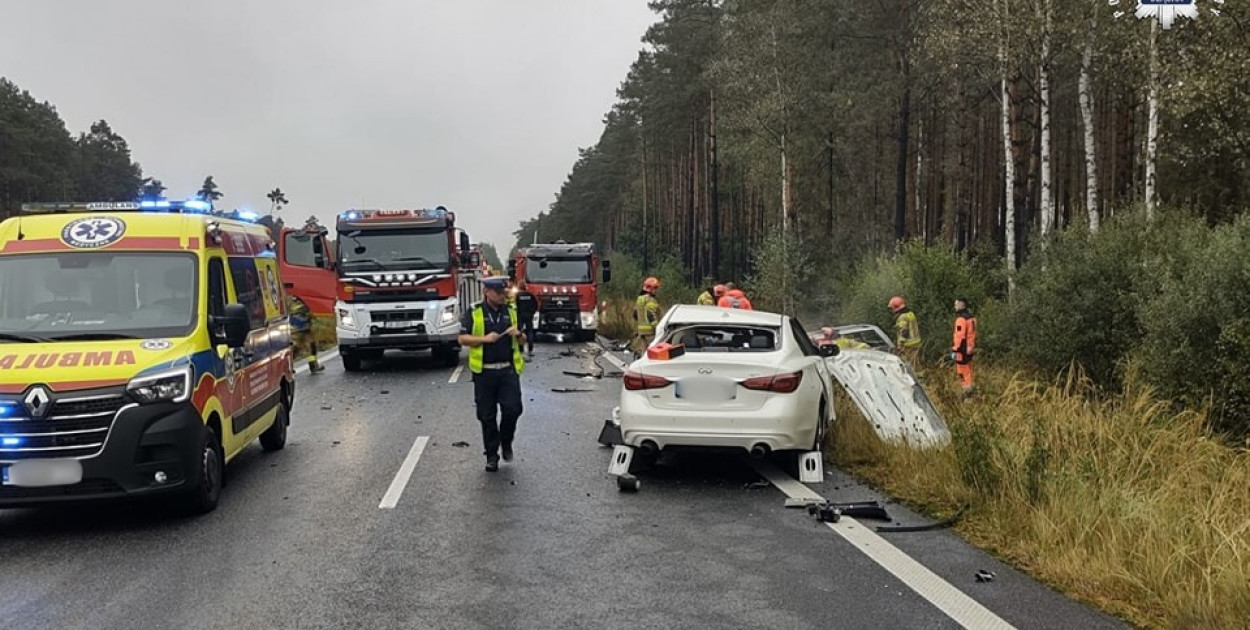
point(558, 271)
point(362, 250)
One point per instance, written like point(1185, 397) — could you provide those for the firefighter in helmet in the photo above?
point(906, 330)
point(300, 322)
point(646, 315)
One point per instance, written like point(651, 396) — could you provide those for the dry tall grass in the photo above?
point(1119, 502)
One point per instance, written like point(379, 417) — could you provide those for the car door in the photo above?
point(819, 363)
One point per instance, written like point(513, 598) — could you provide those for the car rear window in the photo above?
point(724, 338)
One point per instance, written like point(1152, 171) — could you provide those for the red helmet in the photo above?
point(897, 303)
point(650, 284)
point(718, 290)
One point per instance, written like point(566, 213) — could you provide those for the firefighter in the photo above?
point(646, 315)
point(830, 336)
point(709, 296)
point(906, 330)
point(491, 332)
point(964, 345)
point(526, 308)
point(735, 298)
point(300, 322)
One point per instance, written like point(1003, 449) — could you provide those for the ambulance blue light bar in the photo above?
point(147, 205)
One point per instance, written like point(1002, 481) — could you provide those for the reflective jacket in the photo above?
point(646, 313)
point(906, 329)
point(965, 341)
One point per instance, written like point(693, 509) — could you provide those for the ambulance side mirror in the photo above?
point(236, 326)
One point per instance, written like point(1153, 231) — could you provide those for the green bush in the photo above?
point(1077, 299)
point(1196, 345)
point(782, 270)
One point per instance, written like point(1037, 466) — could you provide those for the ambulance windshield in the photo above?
point(96, 295)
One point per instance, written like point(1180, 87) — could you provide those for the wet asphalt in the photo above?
point(299, 540)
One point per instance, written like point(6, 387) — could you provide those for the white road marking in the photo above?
point(391, 498)
point(455, 375)
point(323, 357)
point(966, 611)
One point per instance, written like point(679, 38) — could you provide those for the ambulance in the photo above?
point(142, 347)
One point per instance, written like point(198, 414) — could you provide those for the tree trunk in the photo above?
point(1087, 118)
point(1047, 183)
point(714, 202)
point(1152, 126)
point(900, 192)
point(1009, 167)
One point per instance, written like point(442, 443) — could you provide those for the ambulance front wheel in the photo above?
point(206, 475)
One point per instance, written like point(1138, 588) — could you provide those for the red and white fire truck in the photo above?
point(565, 279)
point(306, 258)
point(404, 280)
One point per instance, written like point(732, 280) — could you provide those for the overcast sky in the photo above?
point(479, 105)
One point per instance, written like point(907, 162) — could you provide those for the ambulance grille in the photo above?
point(76, 427)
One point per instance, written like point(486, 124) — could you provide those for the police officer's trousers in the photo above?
point(497, 393)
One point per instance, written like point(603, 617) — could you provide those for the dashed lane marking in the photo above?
point(323, 357)
point(455, 375)
point(391, 498)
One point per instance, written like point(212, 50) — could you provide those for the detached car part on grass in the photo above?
point(885, 389)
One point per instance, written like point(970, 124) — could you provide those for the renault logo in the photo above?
point(37, 402)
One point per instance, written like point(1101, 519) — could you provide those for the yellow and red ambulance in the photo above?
point(142, 347)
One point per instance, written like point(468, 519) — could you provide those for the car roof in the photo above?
point(691, 314)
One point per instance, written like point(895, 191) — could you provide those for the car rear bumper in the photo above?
point(780, 424)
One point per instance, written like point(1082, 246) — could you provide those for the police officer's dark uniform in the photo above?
point(496, 369)
point(526, 308)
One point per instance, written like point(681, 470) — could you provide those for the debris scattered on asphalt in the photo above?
point(385, 391)
point(459, 444)
point(864, 509)
point(572, 390)
point(327, 408)
point(824, 512)
point(335, 443)
point(924, 528)
point(579, 374)
point(985, 576)
point(610, 434)
point(512, 483)
point(802, 502)
point(757, 485)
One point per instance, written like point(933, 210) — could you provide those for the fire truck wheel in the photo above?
point(449, 357)
point(351, 361)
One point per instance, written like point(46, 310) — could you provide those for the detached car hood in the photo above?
point(884, 388)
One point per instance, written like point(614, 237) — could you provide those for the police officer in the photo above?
point(490, 331)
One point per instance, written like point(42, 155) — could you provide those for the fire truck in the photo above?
point(565, 279)
point(404, 279)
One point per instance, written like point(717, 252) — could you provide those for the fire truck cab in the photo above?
point(401, 284)
point(565, 279)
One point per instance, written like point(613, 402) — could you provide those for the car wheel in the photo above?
point(274, 438)
point(822, 426)
point(205, 491)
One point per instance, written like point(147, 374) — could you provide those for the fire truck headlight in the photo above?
point(449, 315)
point(345, 319)
point(589, 320)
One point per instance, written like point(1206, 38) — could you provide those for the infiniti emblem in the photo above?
point(705, 370)
point(37, 402)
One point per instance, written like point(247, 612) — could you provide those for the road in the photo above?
point(300, 539)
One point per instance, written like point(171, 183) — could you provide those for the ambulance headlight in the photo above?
point(168, 386)
point(589, 320)
point(448, 316)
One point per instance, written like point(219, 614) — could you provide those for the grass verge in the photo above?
point(1119, 502)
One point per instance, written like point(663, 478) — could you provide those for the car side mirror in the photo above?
point(830, 350)
point(236, 326)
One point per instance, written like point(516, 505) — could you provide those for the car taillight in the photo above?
point(780, 383)
point(635, 381)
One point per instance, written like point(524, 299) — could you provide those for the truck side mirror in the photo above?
point(512, 270)
point(607, 271)
point(464, 241)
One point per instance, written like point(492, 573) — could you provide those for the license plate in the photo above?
point(399, 324)
point(705, 391)
point(40, 473)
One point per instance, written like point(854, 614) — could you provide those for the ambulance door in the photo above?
point(228, 361)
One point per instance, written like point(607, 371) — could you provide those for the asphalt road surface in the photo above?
point(327, 534)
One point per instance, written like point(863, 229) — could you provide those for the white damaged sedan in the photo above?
point(747, 380)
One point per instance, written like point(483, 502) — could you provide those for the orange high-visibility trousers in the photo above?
point(964, 370)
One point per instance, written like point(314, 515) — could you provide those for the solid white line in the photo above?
point(455, 375)
point(966, 611)
point(323, 357)
point(391, 498)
